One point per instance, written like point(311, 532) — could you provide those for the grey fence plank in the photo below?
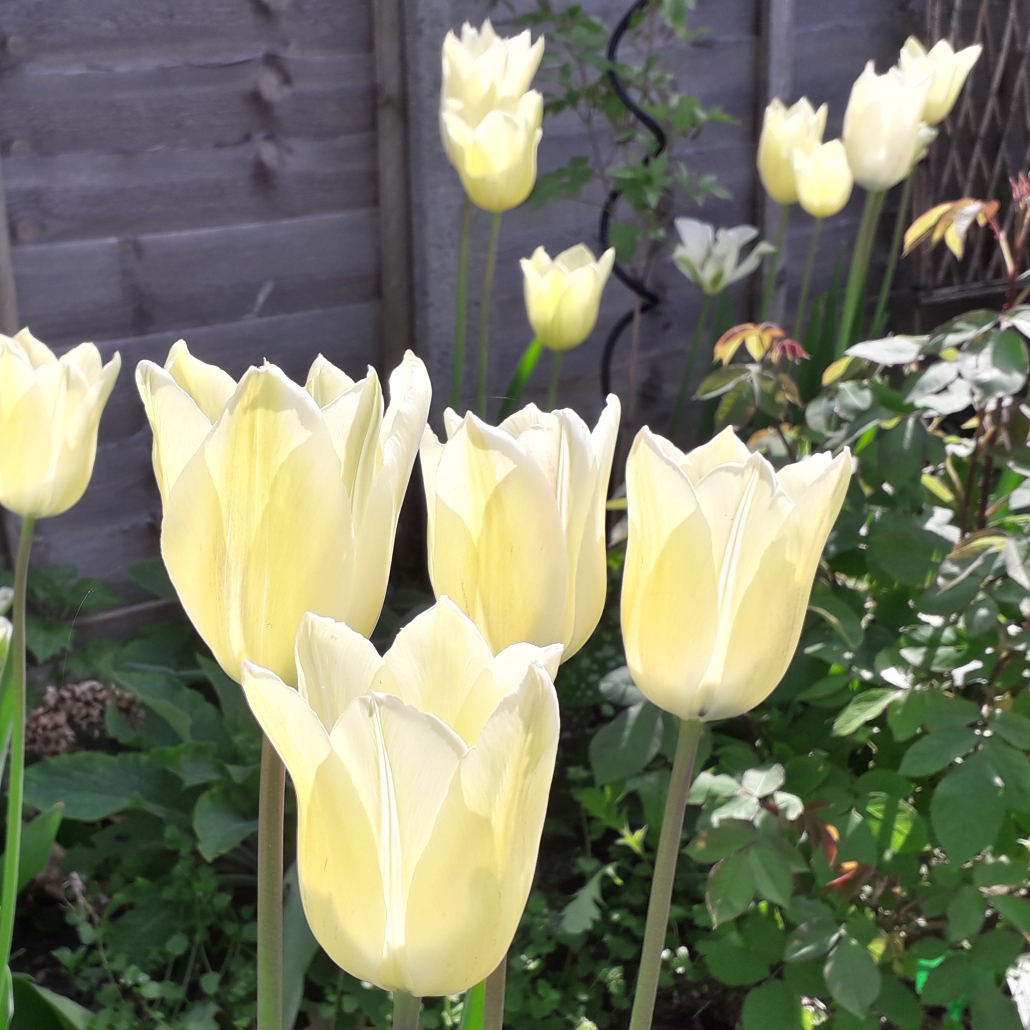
point(84, 195)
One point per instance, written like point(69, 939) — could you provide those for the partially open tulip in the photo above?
point(711, 258)
point(496, 158)
point(563, 295)
point(882, 126)
point(422, 781)
point(279, 499)
point(482, 70)
point(516, 522)
point(947, 70)
point(49, 415)
point(786, 132)
point(823, 179)
point(720, 560)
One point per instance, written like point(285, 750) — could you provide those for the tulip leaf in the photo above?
point(624, 746)
point(852, 976)
point(772, 1006)
point(37, 838)
point(218, 823)
point(936, 751)
point(473, 1007)
point(731, 886)
point(970, 788)
point(523, 371)
point(861, 709)
point(36, 1008)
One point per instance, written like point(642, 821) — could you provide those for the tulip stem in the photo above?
point(459, 320)
point(688, 372)
point(484, 311)
point(860, 256)
point(493, 1003)
point(806, 281)
point(552, 393)
point(880, 318)
point(406, 1009)
point(664, 875)
point(774, 261)
point(15, 711)
point(271, 797)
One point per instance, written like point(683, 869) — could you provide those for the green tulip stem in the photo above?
point(523, 371)
point(459, 318)
point(484, 311)
point(406, 1009)
point(493, 1004)
point(860, 256)
point(552, 393)
point(16, 786)
point(774, 261)
point(880, 318)
point(688, 372)
point(271, 797)
point(806, 281)
point(664, 875)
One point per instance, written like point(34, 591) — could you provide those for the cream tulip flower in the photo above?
point(49, 415)
point(516, 522)
point(720, 561)
point(563, 296)
point(422, 780)
point(823, 179)
point(496, 158)
point(711, 258)
point(279, 499)
point(482, 70)
point(882, 126)
point(786, 132)
point(947, 70)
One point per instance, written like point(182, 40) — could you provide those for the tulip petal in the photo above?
point(85, 357)
point(326, 382)
point(353, 420)
point(178, 425)
point(669, 589)
point(256, 528)
point(334, 665)
point(436, 659)
point(37, 352)
point(208, 385)
point(722, 449)
point(289, 723)
point(402, 762)
point(24, 417)
point(498, 550)
point(459, 925)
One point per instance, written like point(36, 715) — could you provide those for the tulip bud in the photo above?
point(422, 780)
point(496, 158)
point(49, 415)
point(720, 561)
point(710, 258)
point(882, 126)
point(946, 69)
point(277, 499)
point(516, 522)
point(785, 132)
point(823, 179)
point(482, 71)
point(563, 295)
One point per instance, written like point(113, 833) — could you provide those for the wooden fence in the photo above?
point(212, 169)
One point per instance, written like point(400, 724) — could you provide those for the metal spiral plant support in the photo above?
point(648, 299)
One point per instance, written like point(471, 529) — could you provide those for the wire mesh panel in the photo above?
point(984, 141)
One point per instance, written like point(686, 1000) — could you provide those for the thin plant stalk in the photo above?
point(552, 393)
point(459, 318)
point(664, 875)
point(774, 261)
point(806, 281)
point(271, 796)
point(688, 372)
point(854, 295)
point(523, 371)
point(16, 786)
point(880, 318)
point(493, 1005)
point(484, 311)
point(406, 1010)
